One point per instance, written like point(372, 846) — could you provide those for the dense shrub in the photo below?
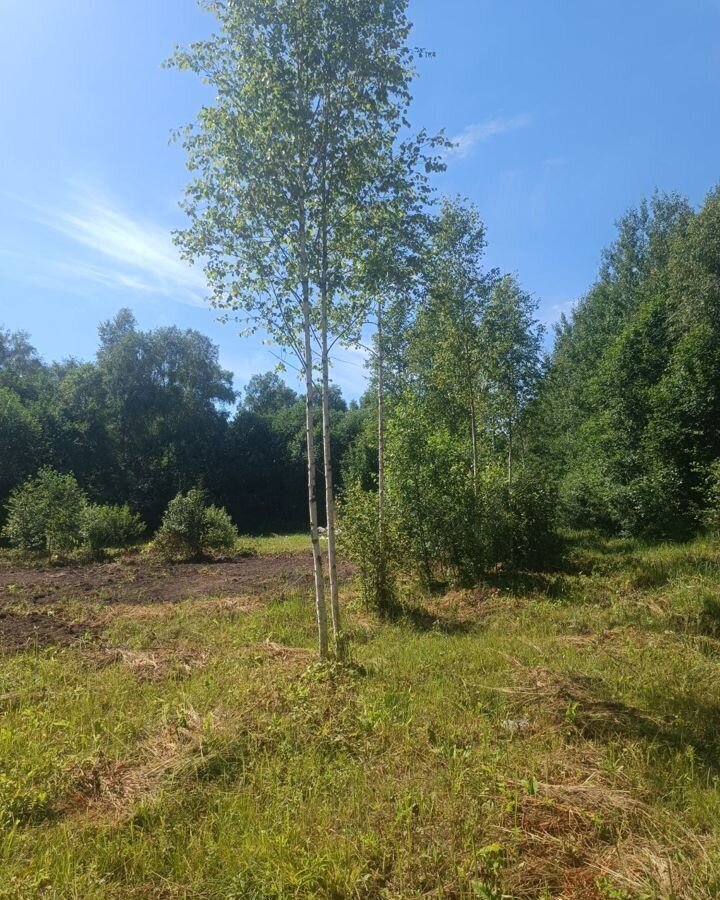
point(110, 526)
point(711, 514)
point(531, 520)
point(20, 440)
point(375, 554)
point(50, 513)
point(441, 523)
point(46, 513)
point(453, 529)
point(191, 528)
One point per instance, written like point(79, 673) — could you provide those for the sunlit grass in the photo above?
point(518, 744)
point(280, 543)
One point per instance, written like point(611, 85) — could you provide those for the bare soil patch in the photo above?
point(140, 581)
point(32, 599)
point(36, 629)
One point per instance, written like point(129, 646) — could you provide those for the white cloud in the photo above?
point(117, 250)
point(468, 139)
point(556, 310)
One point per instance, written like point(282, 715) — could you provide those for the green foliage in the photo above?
point(267, 393)
point(146, 419)
point(532, 506)
point(20, 436)
point(374, 550)
point(449, 525)
point(629, 409)
point(462, 372)
point(110, 526)
point(711, 514)
point(429, 488)
point(163, 394)
point(46, 514)
point(192, 529)
point(21, 369)
point(50, 513)
point(276, 228)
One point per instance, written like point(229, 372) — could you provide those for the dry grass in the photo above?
point(108, 791)
point(500, 744)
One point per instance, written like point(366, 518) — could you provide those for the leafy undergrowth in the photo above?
point(551, 735)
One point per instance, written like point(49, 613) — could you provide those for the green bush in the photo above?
point(46, 513)
point(711, 513)
point(375, 554)
point(50, 513)
point(110, 526)
point(454, 529)
point(532, 511)
point(192, 529)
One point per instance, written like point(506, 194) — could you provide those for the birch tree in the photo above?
point(511, 342)
point(446, 341)
point(311, 98)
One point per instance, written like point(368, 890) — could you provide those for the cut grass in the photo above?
point(272, 544)
point(546, 735)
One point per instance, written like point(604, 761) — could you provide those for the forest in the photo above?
point(155, 414)
point(491, 442)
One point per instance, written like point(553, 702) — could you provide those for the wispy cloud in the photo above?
point(468, 139)
point(349, 370)
point(110, 247)
point(554, 311)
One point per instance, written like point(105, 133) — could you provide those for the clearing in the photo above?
point(164, 732)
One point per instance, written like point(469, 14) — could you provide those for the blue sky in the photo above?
point(565, 112)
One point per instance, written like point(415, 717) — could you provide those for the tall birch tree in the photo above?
point(446, 343)
point(311, 99)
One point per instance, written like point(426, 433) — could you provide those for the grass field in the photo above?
point(547, 735)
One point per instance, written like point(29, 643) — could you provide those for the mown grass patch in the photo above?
point(273, 544)
point(511, 741)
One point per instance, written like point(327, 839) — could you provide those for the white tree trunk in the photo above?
point(329, 484)
point(381, 425)
point(510, 456)
point(473, 436)
point(320, 610)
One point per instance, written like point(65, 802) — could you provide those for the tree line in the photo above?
point(628, 421)
point(472, 446)
point(155, 414)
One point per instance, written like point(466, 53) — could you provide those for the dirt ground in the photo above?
point(32, 599)
point(36, 629)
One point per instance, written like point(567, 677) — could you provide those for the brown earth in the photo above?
point(37, 629)
point(32, 599)
point(138, 581)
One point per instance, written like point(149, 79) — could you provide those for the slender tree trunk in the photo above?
point(329, 488)
point(312, 496)
point(320, 610)
point(473, 436)
point(510, 455)
point(381, 424)
point(381, 586)
point(327, 448)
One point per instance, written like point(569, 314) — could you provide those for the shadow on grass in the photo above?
point(643, 564)
point(686, 724)
point(421, 619)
